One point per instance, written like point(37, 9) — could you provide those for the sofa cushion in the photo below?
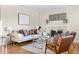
point(26, 38)
point(29, 37)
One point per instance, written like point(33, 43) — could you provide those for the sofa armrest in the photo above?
point(16, 36)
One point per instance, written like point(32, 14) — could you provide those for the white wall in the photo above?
point(0, 19)
point(0, 22)
point(72, 16)
point(0, 12)
point(9, 16)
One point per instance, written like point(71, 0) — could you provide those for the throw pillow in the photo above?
point(31, 32)
point(21, 31)
point(25, 32)
point(35, 31)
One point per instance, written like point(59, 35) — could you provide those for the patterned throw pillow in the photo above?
point(31, 32)
point(21, 31)
point(35, 31)
point(25, 32)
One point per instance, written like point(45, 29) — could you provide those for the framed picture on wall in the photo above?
point(23, 19)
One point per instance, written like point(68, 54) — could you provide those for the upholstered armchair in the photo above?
point(61, 44)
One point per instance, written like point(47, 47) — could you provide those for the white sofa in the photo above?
point(17, 37)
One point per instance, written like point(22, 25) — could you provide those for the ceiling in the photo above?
point(43, 8)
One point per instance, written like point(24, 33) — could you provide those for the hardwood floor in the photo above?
point(17, 50)
point(76, 49)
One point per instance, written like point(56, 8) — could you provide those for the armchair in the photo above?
point(61, 44)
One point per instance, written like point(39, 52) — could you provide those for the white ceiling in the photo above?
point(43, 8)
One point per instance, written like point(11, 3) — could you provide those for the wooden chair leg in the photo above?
point(73, 45)
point(19, 44)
point(46, 47)
point(45, 50)
point(70, 51)
point(13, 43)
point(55, 50)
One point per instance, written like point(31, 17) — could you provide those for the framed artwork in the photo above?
point(23, 19)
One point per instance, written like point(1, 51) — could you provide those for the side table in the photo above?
point(4, 44)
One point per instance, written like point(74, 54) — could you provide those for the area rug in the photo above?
point(35, 50)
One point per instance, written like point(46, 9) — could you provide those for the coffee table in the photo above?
point(40, 43)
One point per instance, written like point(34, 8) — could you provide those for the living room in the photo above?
point(39, 15)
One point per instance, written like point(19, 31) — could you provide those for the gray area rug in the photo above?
point(34, 49)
